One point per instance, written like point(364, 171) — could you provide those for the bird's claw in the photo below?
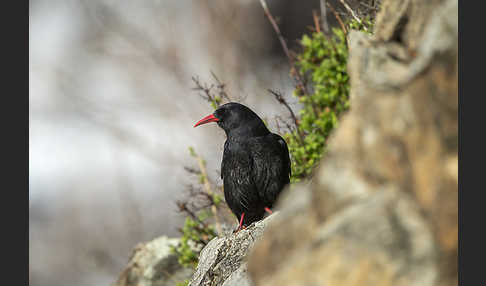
point(239, 228)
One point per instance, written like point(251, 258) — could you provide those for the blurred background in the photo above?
point(112, 112)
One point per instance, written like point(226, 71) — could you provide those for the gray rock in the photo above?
point(152, 264)
point(223, 260)
point(238, 277)
point(379, 239)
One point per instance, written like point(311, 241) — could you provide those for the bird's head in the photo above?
point(236, 120)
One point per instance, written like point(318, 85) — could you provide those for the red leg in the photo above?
point(268, 210)
point(241, 221)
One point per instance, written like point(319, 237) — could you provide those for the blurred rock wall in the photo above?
point(382, 207)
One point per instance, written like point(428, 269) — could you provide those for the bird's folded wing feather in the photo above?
point(285, 150)
point(270, 168)
point(236, 171)
point(222, 161)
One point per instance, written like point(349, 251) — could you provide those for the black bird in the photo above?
point(256, 163)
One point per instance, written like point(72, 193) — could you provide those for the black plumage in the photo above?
point(256, 163)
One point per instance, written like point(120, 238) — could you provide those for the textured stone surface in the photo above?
point(382, 206)
point(223, 260)
point(152, 264)
point(380, 239)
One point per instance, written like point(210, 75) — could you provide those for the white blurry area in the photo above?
point(111, 119)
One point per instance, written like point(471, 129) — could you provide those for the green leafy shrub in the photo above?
point(199, 226)
point(323, 63)
point(195, 235)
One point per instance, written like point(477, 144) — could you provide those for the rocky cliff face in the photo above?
point(383, 203)
point(382, 206)
point(223, 260)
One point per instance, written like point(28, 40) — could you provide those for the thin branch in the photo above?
point(281, 100)
point(352, 13)
point(183, 208)
point(221, 87)
point(284, 45)
point(278, 126)
point(207, 187)
point(293, 70)
point(192, 170)
point(298, 139)
point(371, 7)
point(289, 128)
point(338, 18)
point(206, 89)
point(325, 25)
point(316, 21)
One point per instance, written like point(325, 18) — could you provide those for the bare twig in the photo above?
point(338, 18)
point(183, 208)
point(297, 138)
point(192, 170)
point(301, 85)
point(352, 13)
point(205, 88)
point(281, 100)
point(325, 25)
point(277, 30)
point(284, 102)
point(208, 96)
point(289, 128)
point(371, 7)
point(278, 126)
point(316, 21)
point(221, 87)
point(193, 203)
point(207, 187)
point(284, 45)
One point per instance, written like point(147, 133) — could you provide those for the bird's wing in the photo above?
point(222, 161)
point(270, 167)
point(236, 171)
point(285, 151)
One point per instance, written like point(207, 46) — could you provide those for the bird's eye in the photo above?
point(220, 113)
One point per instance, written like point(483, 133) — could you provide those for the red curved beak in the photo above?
point(207, 119)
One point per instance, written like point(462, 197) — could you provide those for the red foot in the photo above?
point(268, 210)
point(241, 223)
